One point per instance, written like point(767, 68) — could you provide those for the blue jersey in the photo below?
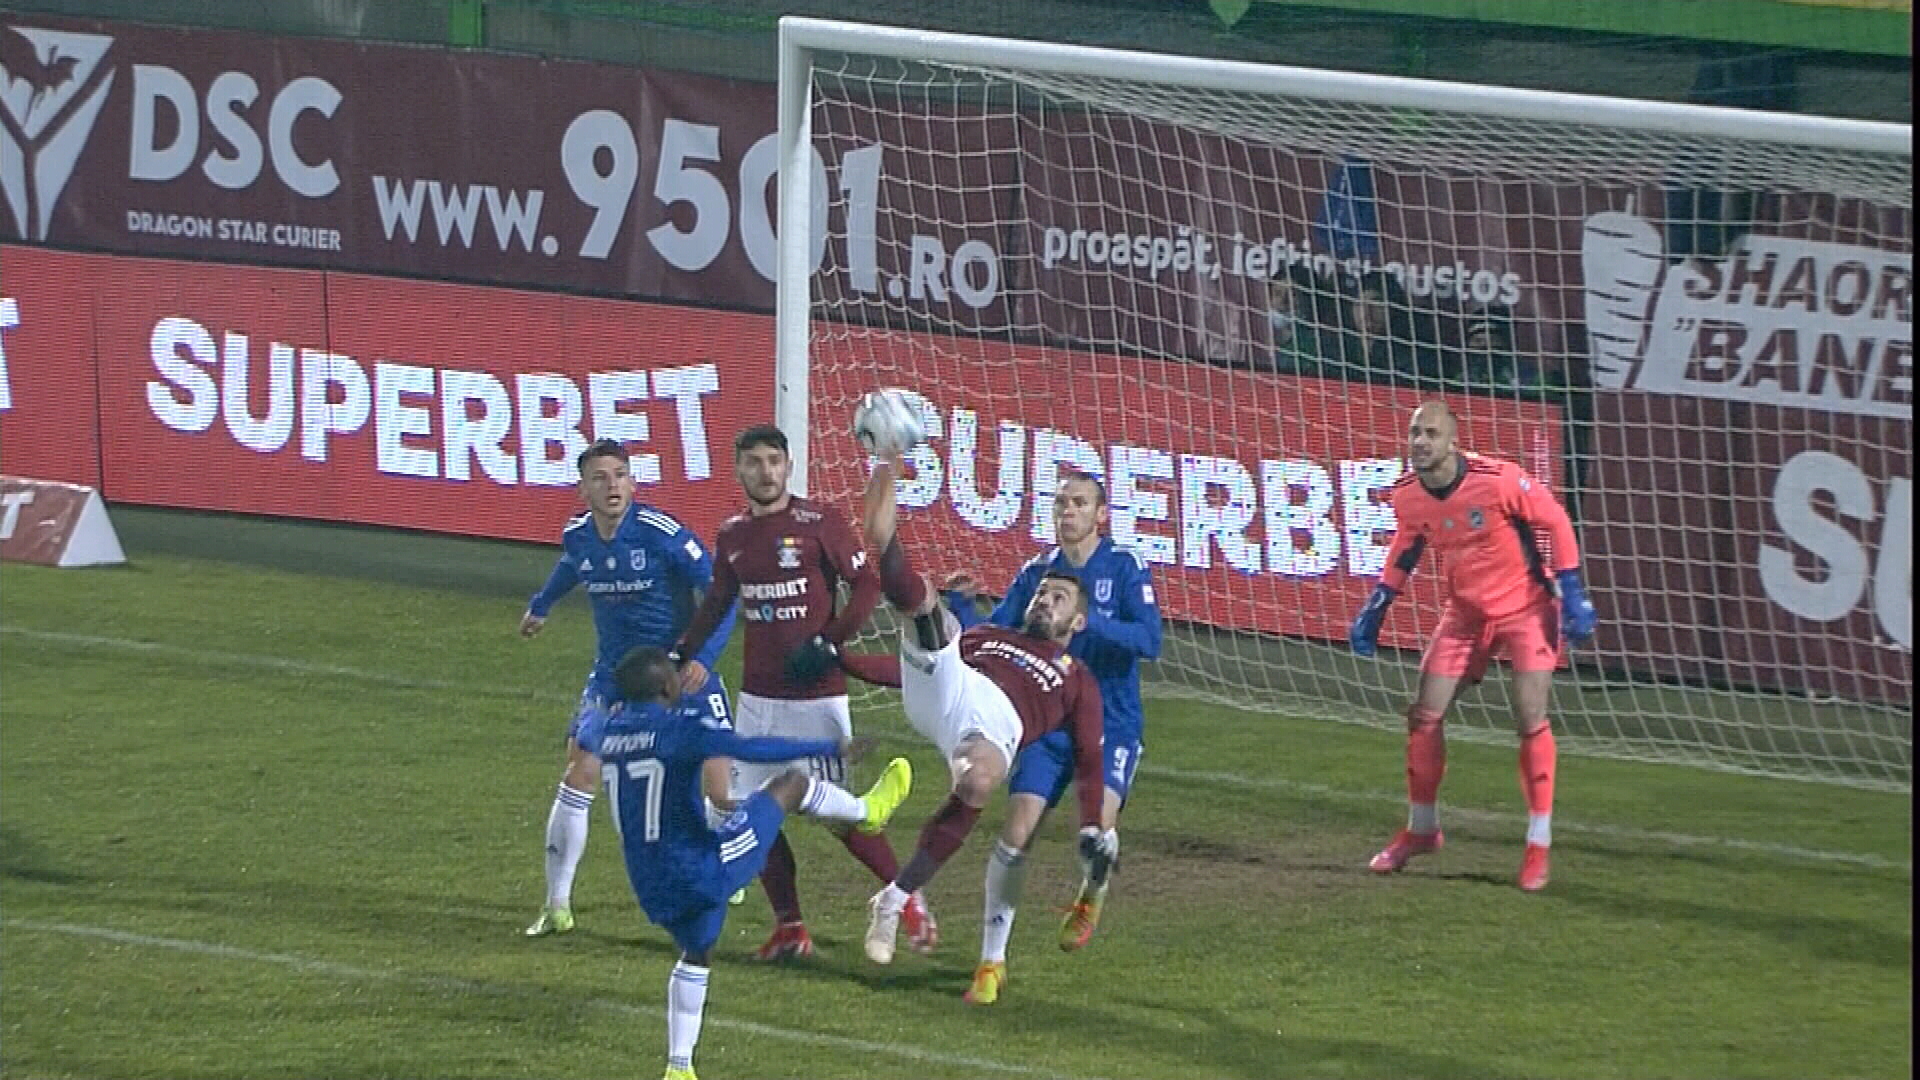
point(1123, 624)
point(650, 761)
point(641, 583)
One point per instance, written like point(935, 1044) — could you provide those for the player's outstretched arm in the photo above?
point(563, 578)
point(697, 570)
point(880, 669)
point(716, 607)
point(1402, 556)
point(905, 589)
point(880, 508)
point(763, 749)
point(1538, 508)
point(848, 559)
point(1086, 725)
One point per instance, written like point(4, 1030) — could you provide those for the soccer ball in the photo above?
point(887, 424)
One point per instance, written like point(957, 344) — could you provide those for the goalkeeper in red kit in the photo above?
point(1481, 515)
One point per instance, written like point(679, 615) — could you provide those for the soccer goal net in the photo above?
point(1222, 288)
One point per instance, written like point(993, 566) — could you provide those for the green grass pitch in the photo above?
point(272, 800)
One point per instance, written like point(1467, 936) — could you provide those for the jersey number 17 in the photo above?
point(650, 775)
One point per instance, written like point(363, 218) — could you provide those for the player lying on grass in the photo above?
point(1480, 515)
point(1123, 628)
point(643, 572)
point(784, 557)
point(652, 752)
point(981, 696)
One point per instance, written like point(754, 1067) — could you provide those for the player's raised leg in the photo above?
point(979, 766)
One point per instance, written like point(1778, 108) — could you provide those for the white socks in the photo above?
point(686, 1001)
point(832, 802)
point(566, 842)
point(1423, 818)
point(893, 899)
point(1540, 829)
point(1006, 875)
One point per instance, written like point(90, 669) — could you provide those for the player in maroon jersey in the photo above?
point(981, 696)
point(784, 558)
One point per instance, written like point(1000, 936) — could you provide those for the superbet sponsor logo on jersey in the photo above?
point(756, 600)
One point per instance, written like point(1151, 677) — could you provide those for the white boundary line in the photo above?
point(1295, 787)
point(450, 984)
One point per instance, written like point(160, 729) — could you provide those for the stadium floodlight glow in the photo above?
point(1220, 286)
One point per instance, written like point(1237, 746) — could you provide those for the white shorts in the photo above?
point(947, 701)
point(806, 718)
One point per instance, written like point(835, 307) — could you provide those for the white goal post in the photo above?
point(1220, 286)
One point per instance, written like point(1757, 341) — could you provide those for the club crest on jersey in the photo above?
point(1103, 591)
point(611, 563)
point(639, 559)
point(789, 553)
point(1475, 518)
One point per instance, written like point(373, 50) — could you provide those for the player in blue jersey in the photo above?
point(1123, 628)
point(645, 573)
point(654, 753)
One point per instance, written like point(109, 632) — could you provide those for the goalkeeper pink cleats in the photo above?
point(1533, 868)
point(1405, 845)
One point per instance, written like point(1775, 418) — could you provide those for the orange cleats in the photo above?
point(1077, 928)
point(1533, 868)
point(789, 942)
point(1405, 845)
point(923, 934)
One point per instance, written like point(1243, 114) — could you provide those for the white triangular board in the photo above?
point(93, 543)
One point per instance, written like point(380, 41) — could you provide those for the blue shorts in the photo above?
point(745, 838)
point(709, 704)
point(1045, 767)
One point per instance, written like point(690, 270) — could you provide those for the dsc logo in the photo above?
point(166, 134)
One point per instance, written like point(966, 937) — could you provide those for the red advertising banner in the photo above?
point(49, 382)
point(459, 409)
point(1260, 502)
point(294, 151)
point(1752, 488)
point(453, 408)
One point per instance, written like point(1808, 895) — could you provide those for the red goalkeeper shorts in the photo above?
point(1465, 642)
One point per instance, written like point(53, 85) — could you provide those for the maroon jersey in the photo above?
point(785, 569)
point(1051, 692)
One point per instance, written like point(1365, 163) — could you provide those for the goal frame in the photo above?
point(802, 37)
